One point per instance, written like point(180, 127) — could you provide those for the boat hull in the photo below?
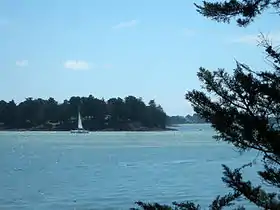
point(79, 131)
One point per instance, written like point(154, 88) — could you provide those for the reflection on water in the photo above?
point(111, 170)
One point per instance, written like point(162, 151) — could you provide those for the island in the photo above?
point(115, 114)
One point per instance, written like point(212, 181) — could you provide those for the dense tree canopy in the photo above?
point(245, 111)
point(116, 114)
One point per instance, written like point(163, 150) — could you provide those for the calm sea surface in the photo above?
point(112, 170)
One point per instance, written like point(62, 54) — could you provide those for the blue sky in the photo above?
point(111, 48)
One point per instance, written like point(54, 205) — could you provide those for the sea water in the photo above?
point(112, 170)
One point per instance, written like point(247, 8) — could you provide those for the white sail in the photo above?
point(80, 125)
point(80, 128)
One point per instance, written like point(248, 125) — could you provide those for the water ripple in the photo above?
point(42, 170)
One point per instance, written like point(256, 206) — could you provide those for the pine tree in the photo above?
point(245, 111)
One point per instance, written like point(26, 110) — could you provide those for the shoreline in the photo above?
point(103, 130)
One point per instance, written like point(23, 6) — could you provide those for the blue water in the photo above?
point(112, 170)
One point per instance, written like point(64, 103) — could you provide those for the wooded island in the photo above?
point(116, 114)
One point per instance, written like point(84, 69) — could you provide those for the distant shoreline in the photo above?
point(170, 127)
point(187, 123)
point(103, 130)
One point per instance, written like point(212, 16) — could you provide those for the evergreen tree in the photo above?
point(246, 111)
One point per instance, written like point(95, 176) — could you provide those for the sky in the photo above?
point(115, 48)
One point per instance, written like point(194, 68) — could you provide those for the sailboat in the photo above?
point(80, 128)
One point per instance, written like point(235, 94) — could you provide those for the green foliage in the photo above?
point(244, 11)
point(245, 109)
point(115, 114)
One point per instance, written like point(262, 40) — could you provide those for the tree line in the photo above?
point(130, 113)
point(189, 119)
